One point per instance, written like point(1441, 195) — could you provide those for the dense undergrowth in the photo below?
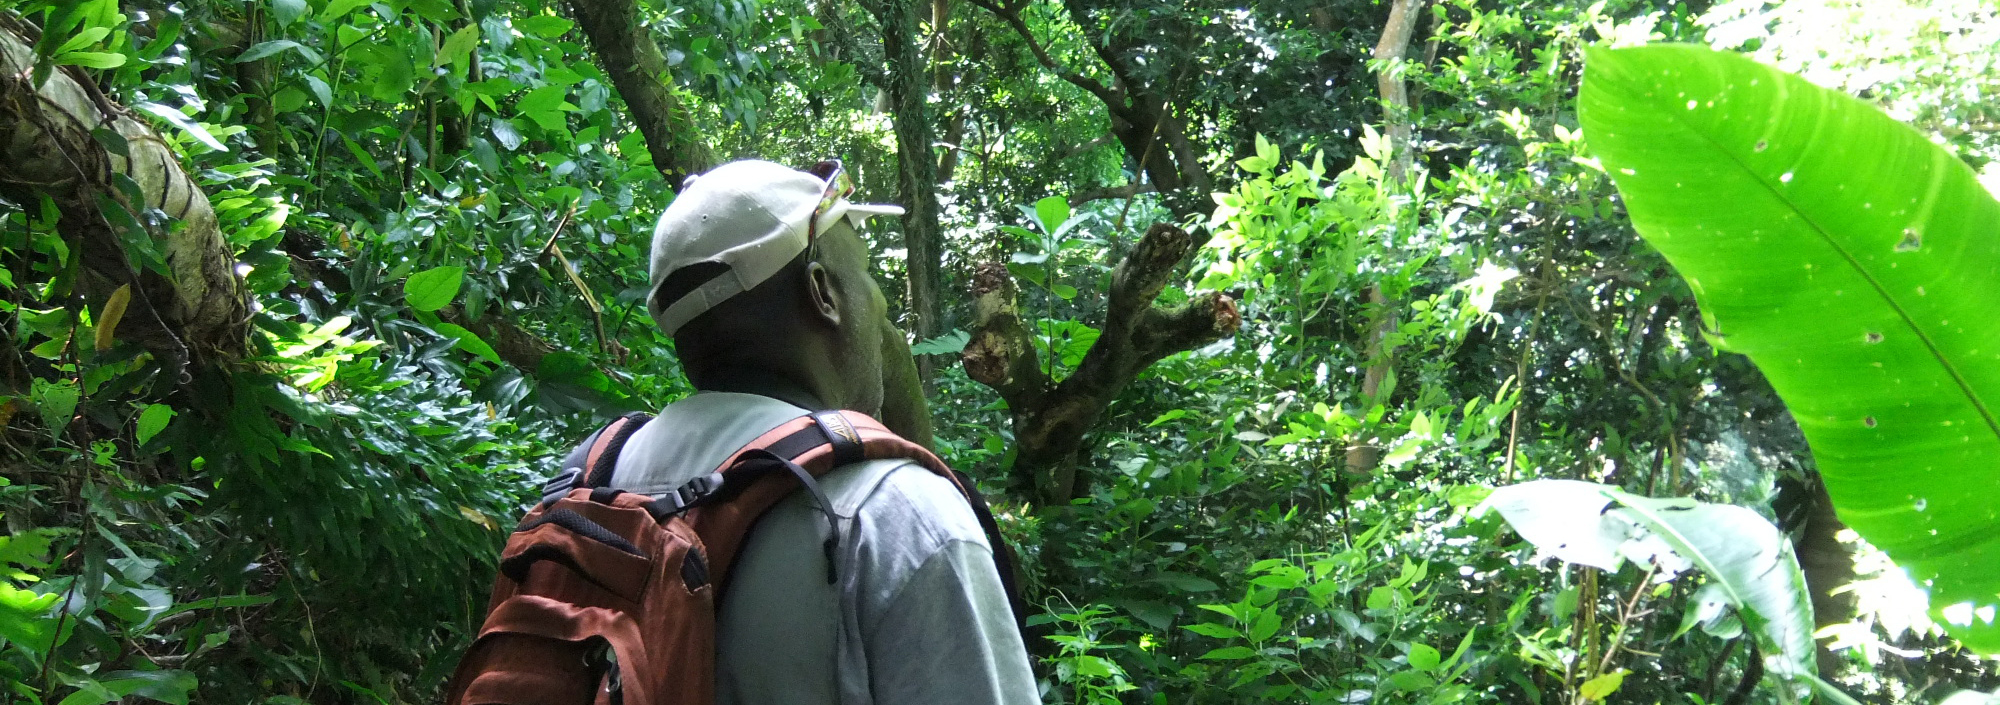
point(442, 214)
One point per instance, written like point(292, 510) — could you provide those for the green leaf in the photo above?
point(469, 341)
point(1214, 630)
point(1602, 686)
point(152, 421)
point(165, 686)
point(1063, 291)
point(1185, 582)
point(320, 90)
point(1409, 680)
point(544, 26)
point(1424, 657)
point(1267, 624)
point(947, 344)
point(458, 47)
point(288, 11)
point(92, 59)
point(339, 8)
point(26, 618)
point(1156, 614)
point(433, 288)
point(264, 49)
point(1854, 264)
point(1229, 652)
point(89, 692)
point(57, 402)
point(179, 120)
point(87, 37)
point(1052, 211)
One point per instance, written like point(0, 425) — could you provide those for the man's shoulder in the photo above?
point(900, 495)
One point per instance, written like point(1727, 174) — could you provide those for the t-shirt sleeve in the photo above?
point(948, 636)
point(934, 621)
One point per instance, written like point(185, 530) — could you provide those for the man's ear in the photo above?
point(819, 289)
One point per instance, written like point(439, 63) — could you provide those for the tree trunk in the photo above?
point(194, 310)
point(1363, 456)
point(907, 86)
point(254, 79)
point(629, 55)
point(1805, 512)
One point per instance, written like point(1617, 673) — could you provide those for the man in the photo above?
point(760, 277)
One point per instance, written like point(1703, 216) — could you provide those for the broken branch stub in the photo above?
point(1050, 418)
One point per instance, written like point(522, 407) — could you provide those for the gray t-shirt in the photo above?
point(918, 614)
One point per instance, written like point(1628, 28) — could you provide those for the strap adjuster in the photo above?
point(846, 439)
point(686, 497)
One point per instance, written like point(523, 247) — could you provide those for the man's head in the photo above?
point(760, 276)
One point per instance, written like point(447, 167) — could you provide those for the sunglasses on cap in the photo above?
point(838, 186)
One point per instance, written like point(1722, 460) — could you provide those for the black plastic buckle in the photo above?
point(687, 496)
point(560, 485)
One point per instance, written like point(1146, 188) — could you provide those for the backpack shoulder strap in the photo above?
point(591, 462)
point(811, 446)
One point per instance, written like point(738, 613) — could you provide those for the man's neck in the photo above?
point(761, 383)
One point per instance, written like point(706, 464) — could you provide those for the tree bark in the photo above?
point(629, 55)
point(1049, 417)
point(1390, 50)
point(194, 311)
point(908, 88)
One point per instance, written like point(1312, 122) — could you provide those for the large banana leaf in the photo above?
point(1857, 264)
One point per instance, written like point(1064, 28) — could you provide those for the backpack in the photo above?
point(610, 597)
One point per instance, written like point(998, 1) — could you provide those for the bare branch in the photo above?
point(1126, 191)
point(629, 55)
point(1113, 99)
point(1001, 354)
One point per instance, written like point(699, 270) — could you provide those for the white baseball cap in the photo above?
point(751, 216)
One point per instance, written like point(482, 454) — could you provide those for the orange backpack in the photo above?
point(610, 597)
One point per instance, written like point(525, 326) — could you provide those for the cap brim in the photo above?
point(857, 214)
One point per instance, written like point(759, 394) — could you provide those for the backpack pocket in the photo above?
point(568, 541)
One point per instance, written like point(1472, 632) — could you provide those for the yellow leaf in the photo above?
point(477, 517)
point(471, 201)
point(107, 319)
point(1602, 686)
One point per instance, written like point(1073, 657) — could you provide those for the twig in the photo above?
point(604, 342)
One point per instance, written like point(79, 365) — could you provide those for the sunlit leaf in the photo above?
point(433, 288)
point(180, 120)
point(1853, 260)
point(151, 422)
point(110, 315)
point(1749, 560)
point(1424, 657)
point(1052, 211)
point(544, 26)
point(1602, 686)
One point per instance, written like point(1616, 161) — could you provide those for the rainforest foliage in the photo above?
point(1314, 351)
